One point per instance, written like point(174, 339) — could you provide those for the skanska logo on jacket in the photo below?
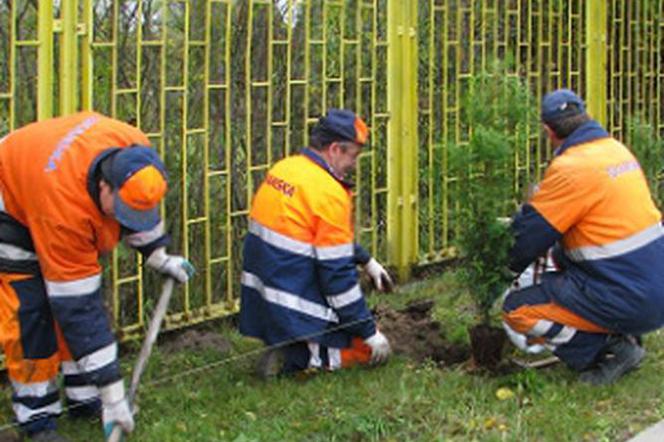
point(281, 185)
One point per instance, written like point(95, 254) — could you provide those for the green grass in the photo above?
point(398, 402)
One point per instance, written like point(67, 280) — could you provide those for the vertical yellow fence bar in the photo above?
point(86, 83)
point(402, 134)
point(45, 63)
point(68, 56)
point(184, 165)
point(596, 59)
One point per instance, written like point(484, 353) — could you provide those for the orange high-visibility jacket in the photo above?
point(595, 200)
point(46, 173)
point(299, 279)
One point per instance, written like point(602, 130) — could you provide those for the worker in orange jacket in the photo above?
point(70, 189)
point(595, 210)
point(300, 289)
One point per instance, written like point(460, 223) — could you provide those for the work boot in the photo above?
point(627, 355)
point(271, 363)
point(47, 436)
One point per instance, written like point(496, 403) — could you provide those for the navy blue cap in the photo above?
point(556, 105)
point(139, 180)
point(341, 125)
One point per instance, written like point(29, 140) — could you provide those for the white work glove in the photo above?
point(521, 341)
point(381, 279)
point(115, 408)
point(172, 265)
point(380, 348)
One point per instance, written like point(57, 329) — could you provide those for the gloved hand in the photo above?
point(172, 265)
point(380, 347)
point(115, 408)
point(381, 279)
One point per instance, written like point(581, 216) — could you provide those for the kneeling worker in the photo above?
point(300, 289)
point(595, 203)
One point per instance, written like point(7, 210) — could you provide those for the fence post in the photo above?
point(86, 55)
point(68, 56)
point(596, 59)
point(45, 60)
point(402, 135)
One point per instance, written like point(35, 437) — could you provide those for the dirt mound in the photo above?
point(412, 332)
point(196, 340)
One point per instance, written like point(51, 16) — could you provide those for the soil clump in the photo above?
point(194, 339)
point(413, 333)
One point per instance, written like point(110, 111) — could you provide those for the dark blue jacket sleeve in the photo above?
point(362, 257)
point(338, 280)
point(533, 236)
point(145, 244)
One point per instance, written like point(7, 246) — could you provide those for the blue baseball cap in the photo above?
point(556, 105)
point(139, 181)
point(341, 125)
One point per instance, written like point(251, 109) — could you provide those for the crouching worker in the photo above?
point(70, 188)
point(300, 290)
point(594, 202)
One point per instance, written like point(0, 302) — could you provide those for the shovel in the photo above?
point(146, 349)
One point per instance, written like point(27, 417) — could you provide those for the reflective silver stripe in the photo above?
point(70, 368)
point(336, 252)
point(564, 336)
point(25, 414)
point(540, 328)
point(35, 389)
point(346, 298)
point(82, 394)
point(617, 248)
point(289, 300)
point(98, 359)
point(334, 354)
point(13, 253)
point(78, 287)
point(314, 360)
point(139, 239)
point(281, 241)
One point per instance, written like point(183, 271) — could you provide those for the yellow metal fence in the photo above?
point(224, 88)
point(540, 41)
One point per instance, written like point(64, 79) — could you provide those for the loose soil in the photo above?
point(486, 343)
point(193, 339)
point(413, 333)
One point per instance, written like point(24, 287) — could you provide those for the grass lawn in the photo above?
point(402, 401)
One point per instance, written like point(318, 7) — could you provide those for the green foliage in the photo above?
point(497, 108)
point(648, 148)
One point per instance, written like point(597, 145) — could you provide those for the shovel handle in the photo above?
point(146, 349)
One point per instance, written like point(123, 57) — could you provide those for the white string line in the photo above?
point(224, 361)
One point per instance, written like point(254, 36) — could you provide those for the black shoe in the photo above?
point(47, 436)
point(270, 364)
point(627, 355)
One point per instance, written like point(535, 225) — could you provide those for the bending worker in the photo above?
point(595, 203)
point(70, 188)
point(300, 289)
